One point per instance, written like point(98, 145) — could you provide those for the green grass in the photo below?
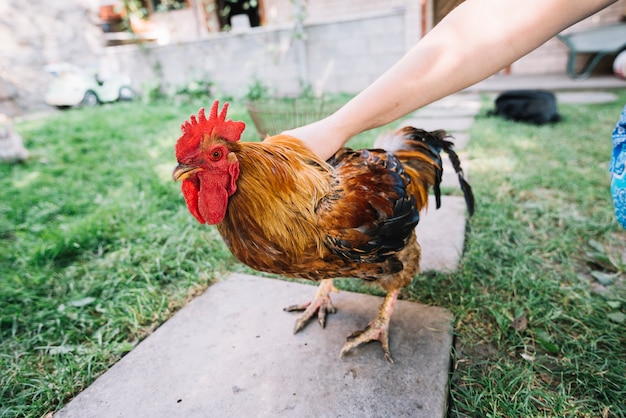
point(97, 249)
point(544, 229)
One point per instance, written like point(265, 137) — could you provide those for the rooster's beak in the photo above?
point(182, 171)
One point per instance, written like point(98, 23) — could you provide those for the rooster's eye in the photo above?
point(216, 155)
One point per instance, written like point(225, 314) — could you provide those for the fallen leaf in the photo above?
point(545, 342)
point(520, 323)
point(549, 379)
point(617, 317)
point(603, 278)
point(527, 357)
point(82, 302)
point(596, 246)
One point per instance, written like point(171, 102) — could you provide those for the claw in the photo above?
point(377, 330)
point(322, 307)
point(320, 304)
point(372, 332)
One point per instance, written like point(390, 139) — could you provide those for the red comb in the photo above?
point(196, 128)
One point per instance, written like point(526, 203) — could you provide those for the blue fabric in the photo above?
point(618, 169)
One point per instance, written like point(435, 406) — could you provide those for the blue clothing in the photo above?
point(618, 169)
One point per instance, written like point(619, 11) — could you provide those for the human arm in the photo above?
point(474, 41)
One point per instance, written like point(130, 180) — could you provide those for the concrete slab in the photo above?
point(441, 234)
point(460, 140)
point(449, 178)
point(231, 353)
point(586, 97)
point(554, 82)
point(451, 124)
point(576, 97)
point(456, 105)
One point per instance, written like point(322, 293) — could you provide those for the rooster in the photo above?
point(281, 209)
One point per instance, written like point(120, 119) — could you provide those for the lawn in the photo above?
point(97, 249)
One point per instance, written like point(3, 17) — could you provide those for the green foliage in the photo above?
point(199, 88)
point(152, 92)
point(543, 247)
point(133, 8)
point(257, 90)
point(167, 5)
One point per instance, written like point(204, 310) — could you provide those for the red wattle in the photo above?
point(191, 189)
point(212, 202)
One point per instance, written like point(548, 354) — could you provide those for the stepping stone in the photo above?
point(450, 178)
point(460, 140)
point(452, 106)
point(441, 234)
point(231, 352)
point(586, 97)
point(450, 124)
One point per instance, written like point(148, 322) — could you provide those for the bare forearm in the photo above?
point(477, 39)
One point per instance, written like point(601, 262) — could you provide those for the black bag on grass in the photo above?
point(530, 106)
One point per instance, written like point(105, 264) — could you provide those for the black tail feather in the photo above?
point(468, 194)
point(435, 142)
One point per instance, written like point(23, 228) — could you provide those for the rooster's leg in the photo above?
point(320, 304)
point(378, 329)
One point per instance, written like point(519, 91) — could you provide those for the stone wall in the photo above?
point(35, 33)
point(346, 56)
point(346, 45)
point(336, 56)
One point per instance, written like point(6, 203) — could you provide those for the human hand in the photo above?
point(323, 137)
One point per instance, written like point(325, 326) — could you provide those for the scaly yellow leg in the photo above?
point(320, 304)
point(378, 329)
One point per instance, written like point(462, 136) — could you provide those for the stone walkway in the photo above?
point(231, 351)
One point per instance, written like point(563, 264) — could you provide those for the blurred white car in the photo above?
point(74, 86)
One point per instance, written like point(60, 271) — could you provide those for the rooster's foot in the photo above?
point(371, 333)
point(377, 330)
point(320, 304)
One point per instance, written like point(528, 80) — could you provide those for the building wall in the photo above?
point(35, 33)
point(336, 56)
point(551, 57)
point(348, 55)
point(324, 10)
point(347, 44)
point(283, 11)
